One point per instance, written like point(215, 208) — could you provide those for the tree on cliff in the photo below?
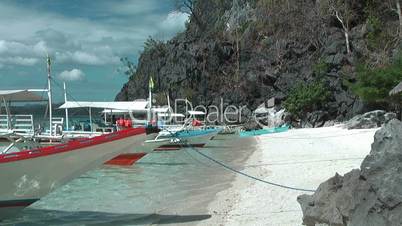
point(341, 11)
point(188, 7)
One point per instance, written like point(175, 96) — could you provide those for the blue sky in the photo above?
point(85, 39)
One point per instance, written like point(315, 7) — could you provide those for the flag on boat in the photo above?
point(151, 83)
point(48, 60)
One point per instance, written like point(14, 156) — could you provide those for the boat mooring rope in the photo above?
point(248, 175)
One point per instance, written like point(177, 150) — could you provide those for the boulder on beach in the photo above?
point(371, 195)
point(372, 119)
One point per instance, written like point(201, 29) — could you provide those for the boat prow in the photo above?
point(29, 175)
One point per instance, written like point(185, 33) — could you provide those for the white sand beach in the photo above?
point(301, 158)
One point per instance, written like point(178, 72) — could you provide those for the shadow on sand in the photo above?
point(34, 217)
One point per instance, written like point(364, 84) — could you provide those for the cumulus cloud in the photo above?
point(19, 53)
point(175, 21)
point(95, 57)
point(73, 75)
point(23, 61)
point(87, 39)
point(40, 48)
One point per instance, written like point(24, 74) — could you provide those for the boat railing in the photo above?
point(4, 122)
point(22, 123)
point(17, 123)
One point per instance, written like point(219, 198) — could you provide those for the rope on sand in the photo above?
point(248, 175)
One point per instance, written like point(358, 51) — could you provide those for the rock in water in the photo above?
point(372, 119)
point(371, 196)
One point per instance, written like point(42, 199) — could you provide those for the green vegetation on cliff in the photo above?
point(374, 84)
point(306, 98)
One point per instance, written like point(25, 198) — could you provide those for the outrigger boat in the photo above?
point(258, 132)
point(28, 175)
point(30, 170)
point(173, 140)
point(176, 136)
point(172, 137)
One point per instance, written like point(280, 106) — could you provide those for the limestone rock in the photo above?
point(372, 119)
point(369, 196)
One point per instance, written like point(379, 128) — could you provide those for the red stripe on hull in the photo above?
point(125, 159)
point(70, 146)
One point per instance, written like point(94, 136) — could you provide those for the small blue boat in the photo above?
point(258, 132)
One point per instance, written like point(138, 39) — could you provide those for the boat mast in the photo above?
point(49, 93)
point(149, 106)
point(65, 101)
point(150, 87)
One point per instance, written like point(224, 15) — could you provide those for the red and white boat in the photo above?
point(30, 170)
point(26, 176)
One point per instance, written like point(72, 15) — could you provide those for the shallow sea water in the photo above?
point(168, 187)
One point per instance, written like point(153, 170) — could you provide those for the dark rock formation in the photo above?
point(369, 196)
point(252, 125)
point(372, 119)
point(280, 45)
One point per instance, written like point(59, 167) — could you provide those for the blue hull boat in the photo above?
point(264, 131)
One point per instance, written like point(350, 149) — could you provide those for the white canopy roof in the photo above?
point(116, 105)
point(20, 95)
point(122, 111)
point(114, 111)
point(196, 113)
point(171, 115)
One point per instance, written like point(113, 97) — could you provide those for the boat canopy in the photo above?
point(140, 106)
point(20, 95)
point(171, 115)
point(114, 111)
point(196, 113)
point(123, 111)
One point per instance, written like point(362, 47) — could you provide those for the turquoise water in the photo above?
point(163, 187)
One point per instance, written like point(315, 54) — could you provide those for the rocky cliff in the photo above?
point(371, 195)
point(249, 51)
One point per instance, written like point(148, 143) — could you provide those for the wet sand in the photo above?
point(172, 187)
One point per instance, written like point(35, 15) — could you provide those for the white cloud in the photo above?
point(80, 40)
point(98, 57)
point(85, 58)
point(73, 75)
point(40, 48)
point(130, 7)
point(17, 48)
point(23, 61)
point(175, 21)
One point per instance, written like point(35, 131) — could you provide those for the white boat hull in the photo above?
point(27, 180)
